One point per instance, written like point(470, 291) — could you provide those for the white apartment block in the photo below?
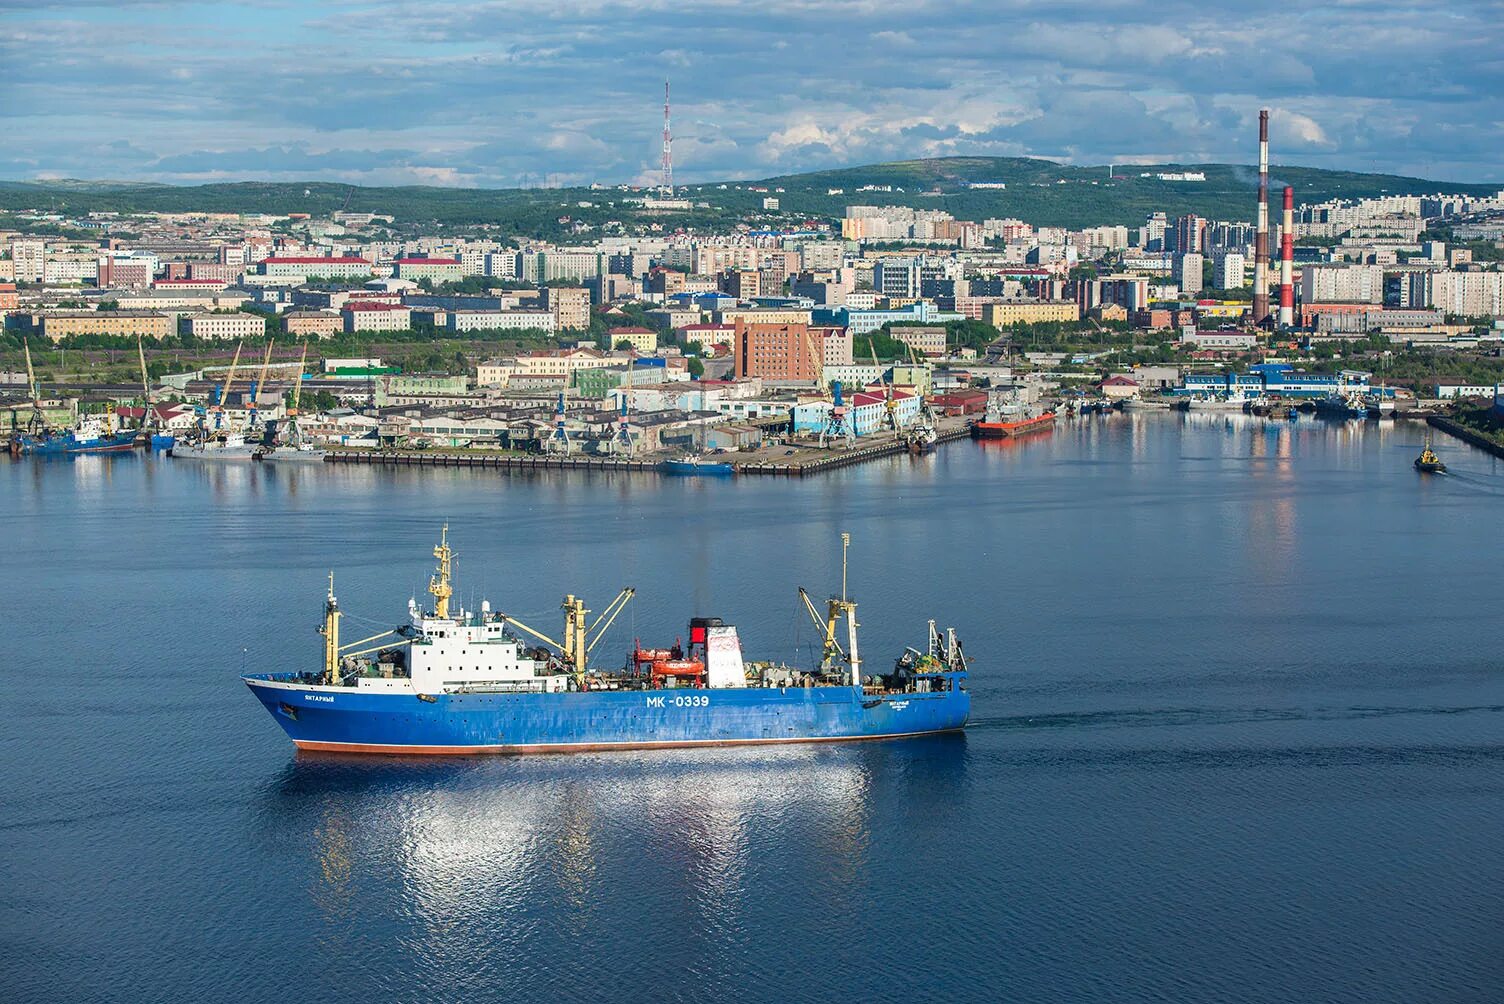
point(502, 320)
point(222, 327)
point(1342, 284)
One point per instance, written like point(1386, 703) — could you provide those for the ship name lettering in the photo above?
point(319, 697)
point(655, 702)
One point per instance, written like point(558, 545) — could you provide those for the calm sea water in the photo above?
point(1238, 733)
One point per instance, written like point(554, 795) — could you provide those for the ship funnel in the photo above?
point(723, 654)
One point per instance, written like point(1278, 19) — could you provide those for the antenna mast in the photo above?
point(668, 149)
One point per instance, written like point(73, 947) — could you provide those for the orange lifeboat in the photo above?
point(678, 667)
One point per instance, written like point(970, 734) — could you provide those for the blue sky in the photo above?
point(569, 91)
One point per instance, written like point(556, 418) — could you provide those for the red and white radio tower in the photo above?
point(668, 149)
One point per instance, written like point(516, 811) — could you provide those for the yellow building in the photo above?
point(762, 315)
point(1001, 315)
point(125, 323)
point(644, 341)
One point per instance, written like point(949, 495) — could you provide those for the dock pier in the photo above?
point(801, 466)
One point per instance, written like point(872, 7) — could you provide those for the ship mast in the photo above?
point(439, 585)
point(330, 631)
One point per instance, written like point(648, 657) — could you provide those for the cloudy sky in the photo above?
point(503, 93)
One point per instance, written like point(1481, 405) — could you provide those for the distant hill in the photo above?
point(1039, 191)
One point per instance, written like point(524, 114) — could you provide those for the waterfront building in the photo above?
point(866, 412)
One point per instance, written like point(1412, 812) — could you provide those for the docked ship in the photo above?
point(89, 435)
point(453, 681)
point(697, 465)
point(1006, 420)
point(231, 446)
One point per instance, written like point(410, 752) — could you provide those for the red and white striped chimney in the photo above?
point(1287, 262)
point(1261, 233)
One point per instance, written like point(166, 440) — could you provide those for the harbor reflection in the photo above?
point(470, 847)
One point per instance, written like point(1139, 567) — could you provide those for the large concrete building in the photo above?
point(570, 306)
point(1342, 284)
point(122, 323)
point(435, 270)
point(1001, 315)
point(1464, 294)
point(220, 327)
point(502, 320)
point(344, 267)
point(371, 316)
point(782, 352)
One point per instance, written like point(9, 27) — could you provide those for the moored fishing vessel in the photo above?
point(470, 682)
point(90, 435)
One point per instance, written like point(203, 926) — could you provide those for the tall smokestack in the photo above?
point(1261, 237)
point(1287, 262)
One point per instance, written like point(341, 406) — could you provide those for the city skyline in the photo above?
point(501, 96)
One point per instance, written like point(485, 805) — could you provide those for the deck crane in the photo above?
point(835, 425)
point(831, 652)
point(260, 384)
point(579, 639)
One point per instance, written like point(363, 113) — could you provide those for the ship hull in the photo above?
point(343, 720)
point(1006, 430)
point(67, 446)
point(686, 468)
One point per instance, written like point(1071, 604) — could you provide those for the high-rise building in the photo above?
point(1187, 235)
point(1230, 270)
point(1188, 273)
point(29, 259)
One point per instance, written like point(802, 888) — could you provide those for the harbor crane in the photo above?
point(223, 397)
point(835, 426)
point(559, 442)
point(38, 420)
point(890, 406)
point(259, 385)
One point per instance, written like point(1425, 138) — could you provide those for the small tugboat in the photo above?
point(1428, 462)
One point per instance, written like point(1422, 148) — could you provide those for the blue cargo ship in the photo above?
point(452, 682)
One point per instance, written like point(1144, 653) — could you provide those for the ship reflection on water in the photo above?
point(500, 858)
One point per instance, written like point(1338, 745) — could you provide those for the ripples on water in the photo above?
point(1237, 735)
